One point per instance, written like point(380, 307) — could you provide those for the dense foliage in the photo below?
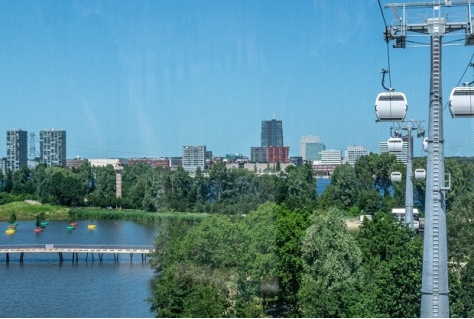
point(271, 246)
point(280, 262)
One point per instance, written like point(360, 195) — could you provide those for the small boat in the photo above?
point(70, 227)
point(38, 229)
point(11, 226)
point(73, 224)
point(10, 231)
point(91, 226)
point(44, 223)
point(14, 224)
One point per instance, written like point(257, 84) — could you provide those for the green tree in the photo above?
point(460, 227)
point(331, 263)
point(155, 197)
point(343, 190)
point(391, 269)
point(461, 290)
point(301, 187)
point(103, 194)
point(291, 227)
point(179, 194)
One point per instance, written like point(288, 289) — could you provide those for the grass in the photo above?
point(137, 215)
point(28, 210)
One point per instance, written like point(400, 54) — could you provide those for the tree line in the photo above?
point(280, 262)
point(366, 187)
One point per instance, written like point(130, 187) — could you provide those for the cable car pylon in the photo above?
point(434, 285)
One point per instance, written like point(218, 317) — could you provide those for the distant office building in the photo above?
point(331, 157)
point(154, 162)
point(208, 159)
point(53, 147)
point(272, 133)
point(271, 148)
point(311, 148)
point(194, 157)
point(258, 154)
point(236, 157)
point(277, 154)
point(17, 149)
point(401, 156)
point(3, 165)
point(75, 162)
point(353, 153)
point(296, 160)
point(175, 162)
point(103, 162)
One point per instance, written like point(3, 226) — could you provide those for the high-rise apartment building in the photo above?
point(53, 147)
point(194, 157)
point(272, 133)
point(311, 148)
point(354, 152)
point(17, 149)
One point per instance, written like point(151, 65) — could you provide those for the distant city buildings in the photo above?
point(53, 147)
point(311, 148)
point(194, 157)
point(353, 153)
point(52, 151)
point(271, 148)
point(155, 162)
point(17, 149)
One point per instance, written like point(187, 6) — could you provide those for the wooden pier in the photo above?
point(62, 249)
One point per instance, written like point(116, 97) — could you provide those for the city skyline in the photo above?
point(142, 79)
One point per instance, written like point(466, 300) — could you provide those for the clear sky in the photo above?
point(143, 78)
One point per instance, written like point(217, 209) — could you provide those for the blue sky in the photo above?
point(143, 78)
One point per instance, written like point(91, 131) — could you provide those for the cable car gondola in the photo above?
point(425, 144)
point(396, 177)
point(420, 173)
point(395, 144)
point(461, 101)
point(391, 106)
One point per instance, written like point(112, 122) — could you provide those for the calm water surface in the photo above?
point(43, 287)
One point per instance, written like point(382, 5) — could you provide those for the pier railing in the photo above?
point(75, 249)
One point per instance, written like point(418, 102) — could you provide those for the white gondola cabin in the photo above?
point(395, 144)
point(461, 101)
point(425, 144)
point(396, 177)
point(391, 106)
point(420, 173)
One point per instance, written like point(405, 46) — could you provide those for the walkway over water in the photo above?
point(116, 250)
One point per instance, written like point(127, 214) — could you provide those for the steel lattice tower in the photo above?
point(435, 289)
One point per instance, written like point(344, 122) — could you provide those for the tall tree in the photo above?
point(301, 187)
point(331, 262)
point(291, 227)
point(343, 190)
point(391, 269)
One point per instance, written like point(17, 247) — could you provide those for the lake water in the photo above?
point(41, 286)
point(321, 184)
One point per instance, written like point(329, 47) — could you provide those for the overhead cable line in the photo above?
point(470, 64)
point(386, 41)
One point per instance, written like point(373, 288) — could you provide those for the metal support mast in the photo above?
point(409, 171)
point(409, 181)
point(434, 290)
